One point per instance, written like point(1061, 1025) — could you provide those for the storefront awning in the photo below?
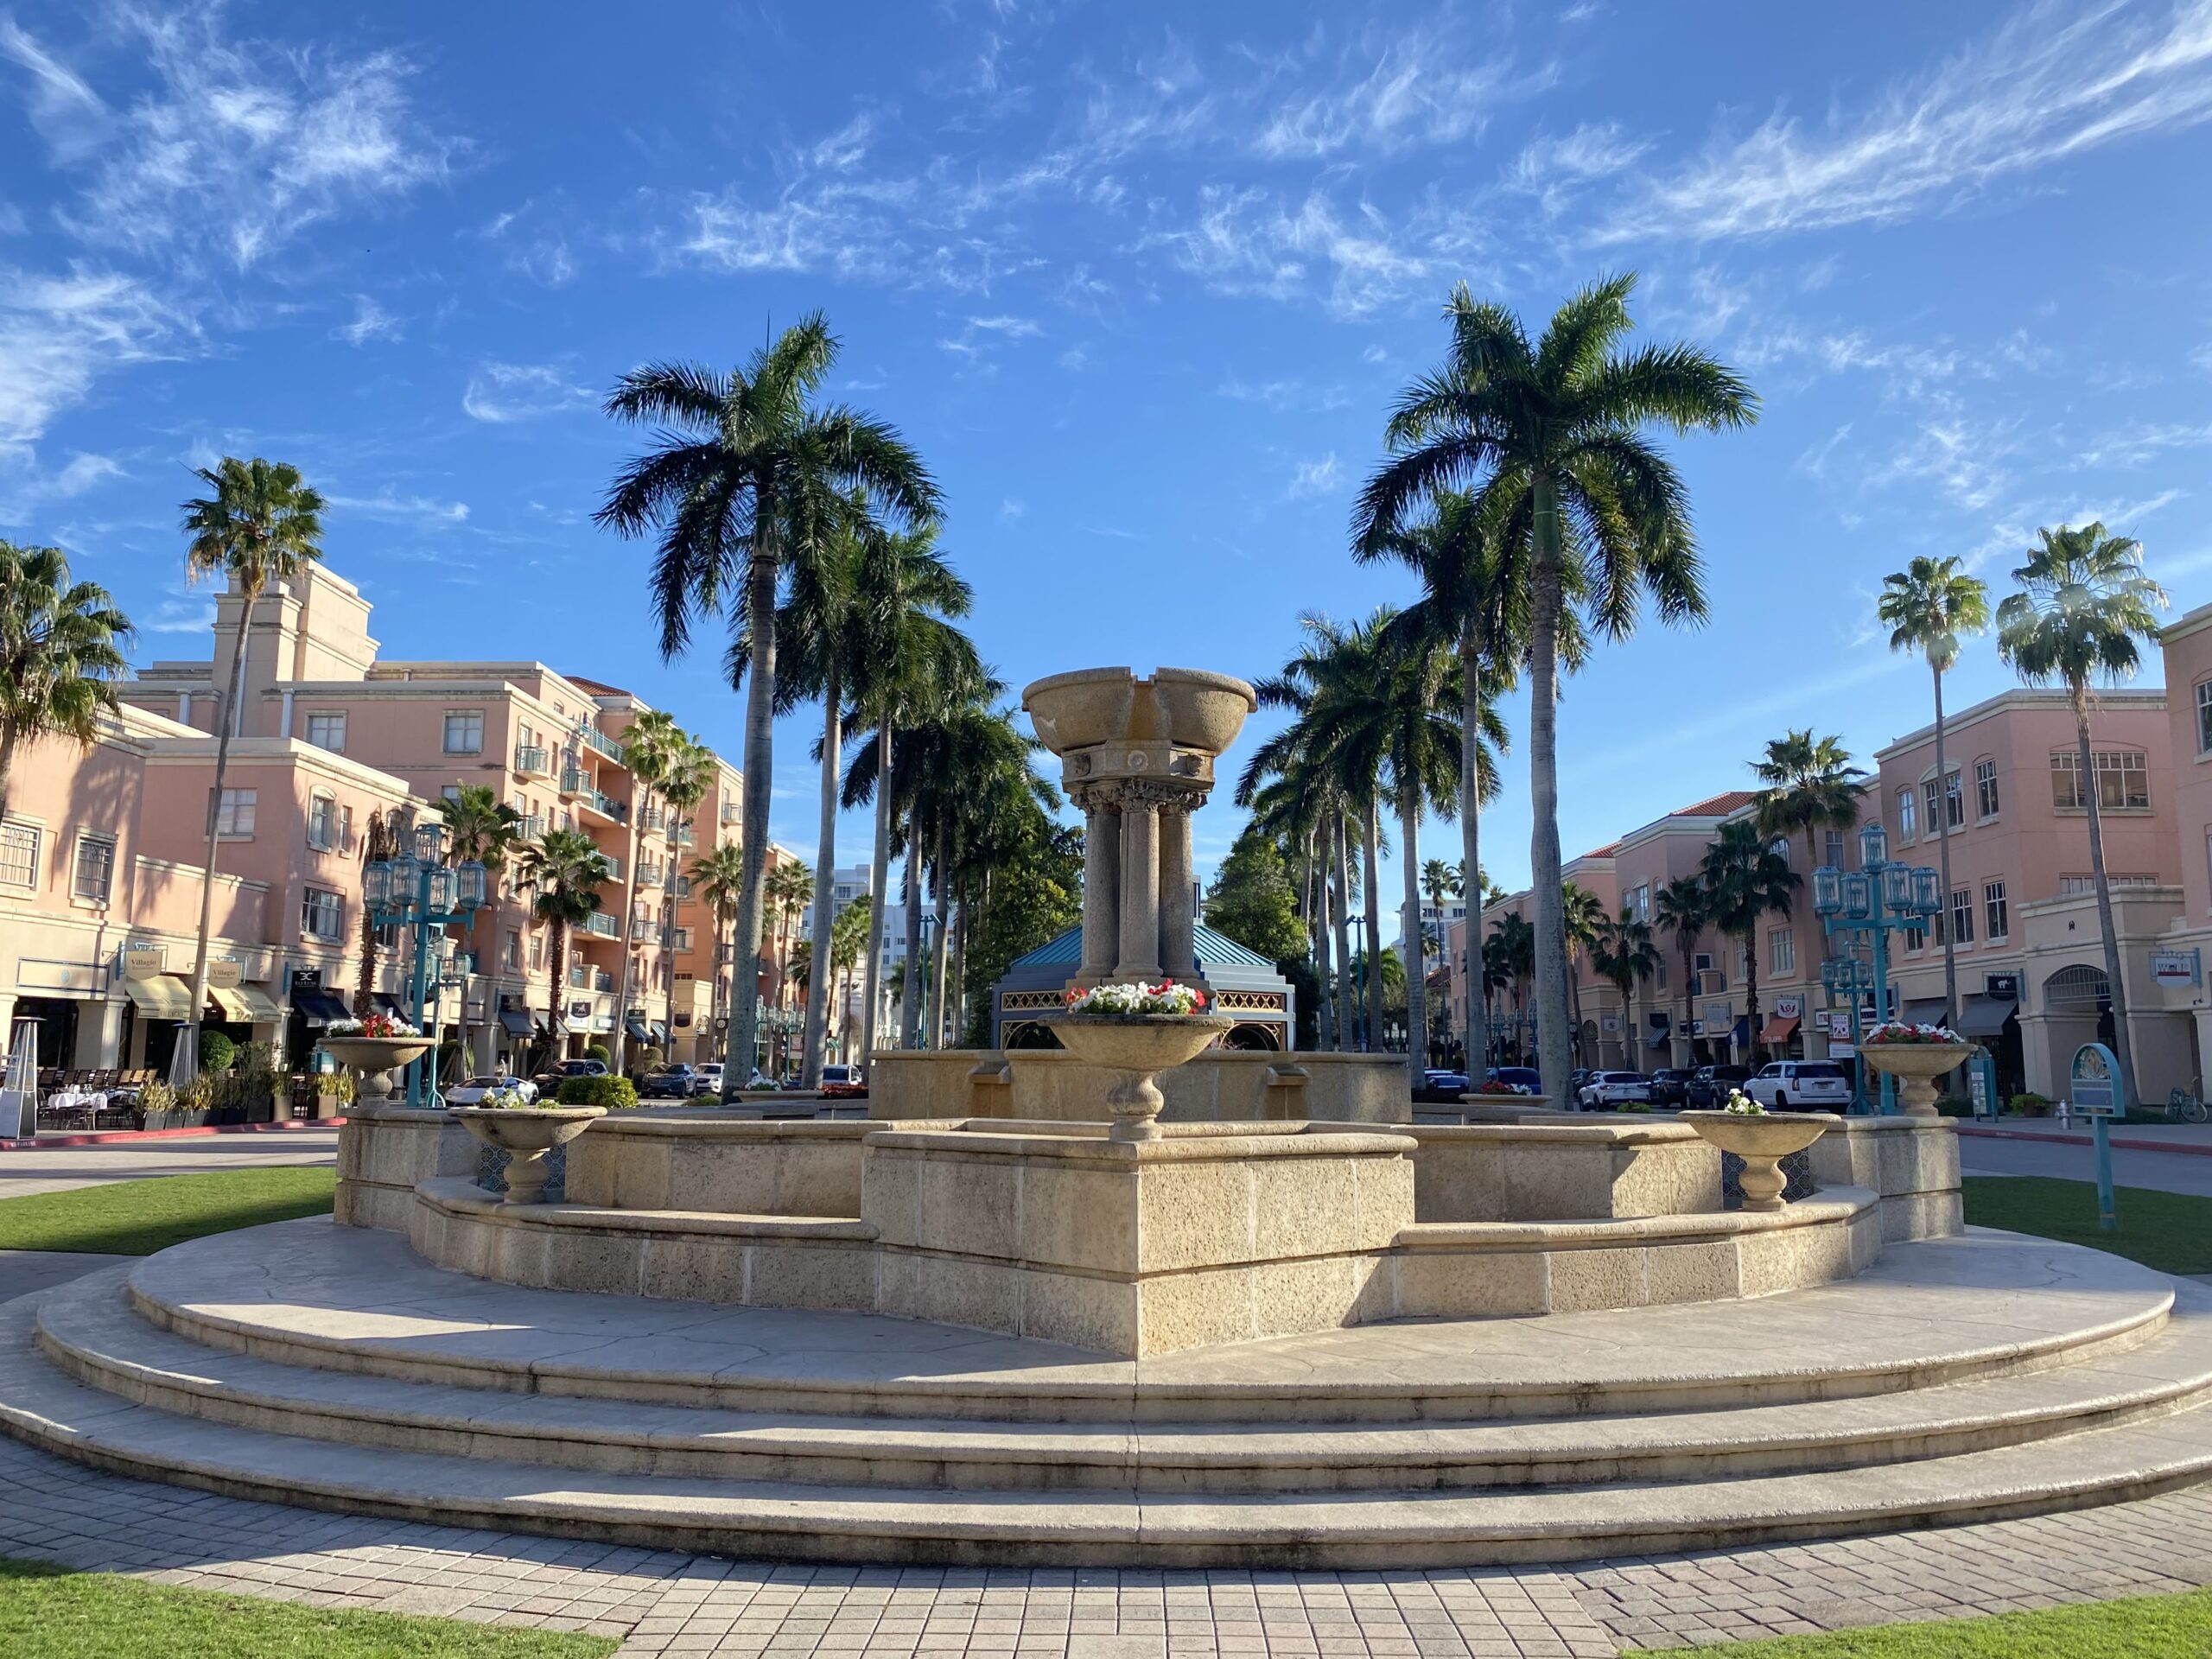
point(385, 1002)
point(660, 1032)
point(1984, 1016)
point(1740, 1034)
point(636, 1026)
point(163, 997)
point(1780, 1029)
point(318, 1006)
point(1660, 1037)
point(261, 1006)
point(235, 1008)
point(1923, 1011)
point(515, 1022)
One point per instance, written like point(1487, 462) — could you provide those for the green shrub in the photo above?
point(616, 1094)
point(1956, 1106)
point(2030, 1105)
point(600, 1052)
point(217, 1051)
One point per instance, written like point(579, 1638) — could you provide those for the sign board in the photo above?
point(1978, 1090)
point(145, 960)
point(306, 979)
point(2093, 1081)
point(580, 1010)
point(2003, 988)
point(226, 972)
point(1610, 1024)
point(1840, 1026)
point(2177, 967)
point(1697, 1027)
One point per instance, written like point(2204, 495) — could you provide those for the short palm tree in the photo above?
point(718, 877)
point(1746, 882)
point(2083, 604)
point(1811, 785)
point(1439, 881)
point(739, 460)
point(1623, 955)
point(484, 828)
point(564, 870)
point(791, 892)
point(1928, 605)
point(1679, 910)
point(848, 936)
point(1582, 916)
point(60, 653)
point(258, 523)
point(1548, 437)
point(653, 747)
point(1513, 942)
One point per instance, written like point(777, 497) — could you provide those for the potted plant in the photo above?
point(1136, 1032)
point(376, 1048)
point(1915, 1056)
point(525, 1131)
point(1762, 1139)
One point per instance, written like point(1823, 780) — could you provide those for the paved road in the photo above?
point(2165, 1171)
point(55, 1169)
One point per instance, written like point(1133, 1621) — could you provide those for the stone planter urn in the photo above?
point(375, 1061)
point(1761, 1140)
point(526, 1134)
point(1916, 1066)
point(1137, 1047)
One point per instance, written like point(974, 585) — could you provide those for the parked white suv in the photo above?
point(1605, 1089)
point(1801, 1086)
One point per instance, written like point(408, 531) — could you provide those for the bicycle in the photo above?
point(2185, 1107)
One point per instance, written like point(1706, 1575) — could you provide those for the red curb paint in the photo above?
point(2120, 1142)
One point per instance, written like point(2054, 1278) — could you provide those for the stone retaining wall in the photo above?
point(386, 1152)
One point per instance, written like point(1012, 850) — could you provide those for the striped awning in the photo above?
point(161, 996)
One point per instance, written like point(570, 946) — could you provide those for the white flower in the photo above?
point(1743, 1105)
point(1166, 997)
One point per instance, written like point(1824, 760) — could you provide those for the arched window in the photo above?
point(2080, 989)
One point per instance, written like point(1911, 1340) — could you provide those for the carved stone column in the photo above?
point(1139, 883)
point(1101, 859)
point(1176, 953)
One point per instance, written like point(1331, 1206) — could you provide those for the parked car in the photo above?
point(471, 1092)
point(1610, 1088)
point(841, 1083)
point(1709, 1085)
point(1448, 1082)
point(710, 1077)
point(1670, 1085)
point(1801, 1086)
point(672, 1083)
point(549, 1081)
point(1521, 1079)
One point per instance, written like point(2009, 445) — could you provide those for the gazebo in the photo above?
point(1242, 983)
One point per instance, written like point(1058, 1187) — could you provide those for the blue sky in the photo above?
point(1141, 281)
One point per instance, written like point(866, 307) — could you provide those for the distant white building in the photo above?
point(1435, 919)
point(845, 886)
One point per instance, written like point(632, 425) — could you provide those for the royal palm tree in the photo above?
point(1581, 915)
point(258, 523)
point(1928, 605)
point(1623, 955)
point(740, 458)
point(1439, 881)
point(1287, 806)
point(563, 871)
point(848, 936)
point(484, 828)
point(791, 891)
point(1810, 786)
point(1513, 942)
point(1679, 909)
point(654, 745)
point(2083, 604)
point(60, 653)
point(1746, 882)
point(376, 847)
point(717, 878)
point(1549, 438)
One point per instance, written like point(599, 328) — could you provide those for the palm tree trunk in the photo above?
point(1316, 919)
point(214, 817)
point(1554, 1053)
point(640, 802)
point(560, 1033)
point(1470, 880)
point(2123, 1049)
point(760, 777)
point(909, 1008)
point(1942, 827)
point(1341, 920)
point(1371, 905)
point(1751, 994)
point(1689, 1000)
point(7, 762)
point(956, 1001)
point(941, 904)
point(825, 883)
point(1416, 946)
point(878, 870)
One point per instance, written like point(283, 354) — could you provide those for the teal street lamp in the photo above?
point(1880, 895)
point(419, 889)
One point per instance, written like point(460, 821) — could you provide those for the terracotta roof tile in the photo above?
point(1717, 806)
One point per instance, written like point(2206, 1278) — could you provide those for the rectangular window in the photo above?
point(327, 824)
point(1962, 915)
point(511, 960)
point(235, 815)
point(1658, 972)
point(538, 953)
point(2073, 887)
point(18, 855)
point(95, 873)
point(2065, 781)
point(1916, 939)
point(2123, 780)
point(1834, 845)
point(2204, 718)
point(1906, 813)
point(1933, 805)
point(1992, 903)
point(1985, 788)
point(1955, 800)
point(464, 731)
point(322, 914)
point(328, 731)
point(1782, 951)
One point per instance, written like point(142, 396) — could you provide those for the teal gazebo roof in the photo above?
point(1213, 950)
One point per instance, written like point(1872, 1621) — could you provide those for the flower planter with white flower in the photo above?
point(376, 1048)
point(526, 1134)
point(1137, 1032)
point(1762, 1139)
point(1915, 1056)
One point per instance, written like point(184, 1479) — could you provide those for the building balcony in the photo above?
point(593, 800)
point(530, 826)
point(680, 887)
point(598, 742)
point(651, 873)
point(600, 925)
point(534, 760)
point(614, 866)
point(677, 938)
point(681, 835)
point(574, 782)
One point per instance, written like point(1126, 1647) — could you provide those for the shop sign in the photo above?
point(2176, 967)
point(226, 972)
point(580, 1010)
point(1791, 1006)
point(145, 960)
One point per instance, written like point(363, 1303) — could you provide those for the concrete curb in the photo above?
point(125, 1137)
point(2120, 1143)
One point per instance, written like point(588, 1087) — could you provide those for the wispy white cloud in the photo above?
point(1320, 476)
point(2054, 82)
point(1555, 168)
point(2139, 445)
point(1287, 393)
point(58, 335)
point(1395, 91)
point(1250, 241)
point(421, 511)
point(370, 321)
point(1011, 509)
point(502, 393)
point(179, 616)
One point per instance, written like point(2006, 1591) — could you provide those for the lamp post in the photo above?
point(419, 889)
point(1881, 894)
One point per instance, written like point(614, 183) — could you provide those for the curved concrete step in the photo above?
point(38, 1405)
point(1929, 1314)
point(90, 1331)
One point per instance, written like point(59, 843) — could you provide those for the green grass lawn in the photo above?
point(2171, 1231)
point(48, 1613)
point(138, 1217)
point(2146, 1627)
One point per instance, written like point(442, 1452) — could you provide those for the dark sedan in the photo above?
point(673, 1083)
point(1709, 1085)
point(1670, 1086)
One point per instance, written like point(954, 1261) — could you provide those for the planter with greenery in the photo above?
point(609, 1093)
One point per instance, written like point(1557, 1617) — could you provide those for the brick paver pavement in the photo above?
point(662, 1602)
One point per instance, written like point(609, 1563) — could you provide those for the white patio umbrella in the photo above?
point(19, 1095)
